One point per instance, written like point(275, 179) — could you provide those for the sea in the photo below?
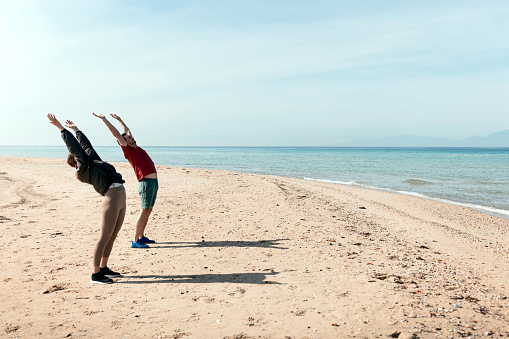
point(473, 177)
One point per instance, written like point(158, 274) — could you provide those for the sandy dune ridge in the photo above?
point(247, 256)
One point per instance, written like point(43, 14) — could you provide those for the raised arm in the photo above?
point(53, 120)
point(83, 140)
point(112, 129)
point(71, 125)
point(124, 126)
point(72, 144)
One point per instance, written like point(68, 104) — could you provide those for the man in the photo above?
point(146, 174)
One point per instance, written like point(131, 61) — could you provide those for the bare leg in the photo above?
point(141, 223)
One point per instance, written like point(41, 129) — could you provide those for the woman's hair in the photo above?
point(71, 160)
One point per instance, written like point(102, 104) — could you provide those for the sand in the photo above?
point(247, 256)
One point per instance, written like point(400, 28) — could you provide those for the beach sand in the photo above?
point(247, 256)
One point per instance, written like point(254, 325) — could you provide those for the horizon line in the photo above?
point(245, 146)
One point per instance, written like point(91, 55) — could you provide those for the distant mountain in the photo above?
point(498, 139)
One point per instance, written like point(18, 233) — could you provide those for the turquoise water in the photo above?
point(474, 177)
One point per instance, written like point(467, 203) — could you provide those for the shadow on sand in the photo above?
point(238, 278)
point(203, 243)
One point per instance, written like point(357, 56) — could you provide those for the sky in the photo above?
point(254, 73)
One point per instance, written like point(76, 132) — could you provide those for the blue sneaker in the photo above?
point(138, 244)
point(145, 240)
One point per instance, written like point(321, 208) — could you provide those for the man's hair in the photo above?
point(71, 160)
point(123, 136)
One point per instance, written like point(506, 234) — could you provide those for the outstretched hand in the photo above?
point(100, 116)
point(53, 120)
point(114, 116)
point(71, 125)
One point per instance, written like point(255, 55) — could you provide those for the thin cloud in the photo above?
point(369, 67)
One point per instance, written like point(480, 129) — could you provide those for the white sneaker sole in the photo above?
point(101, 282)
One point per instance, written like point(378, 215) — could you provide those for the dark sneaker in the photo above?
point(145, 240)
point(138, 244)
point(109, 273)
point(99, 278)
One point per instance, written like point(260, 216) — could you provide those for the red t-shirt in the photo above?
point(139, 159)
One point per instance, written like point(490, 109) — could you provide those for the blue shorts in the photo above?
point(147, 188)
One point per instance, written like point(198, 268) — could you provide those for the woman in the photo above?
point(90, 169)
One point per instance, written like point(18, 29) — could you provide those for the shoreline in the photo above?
point(489, 210)
point(247, 256)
